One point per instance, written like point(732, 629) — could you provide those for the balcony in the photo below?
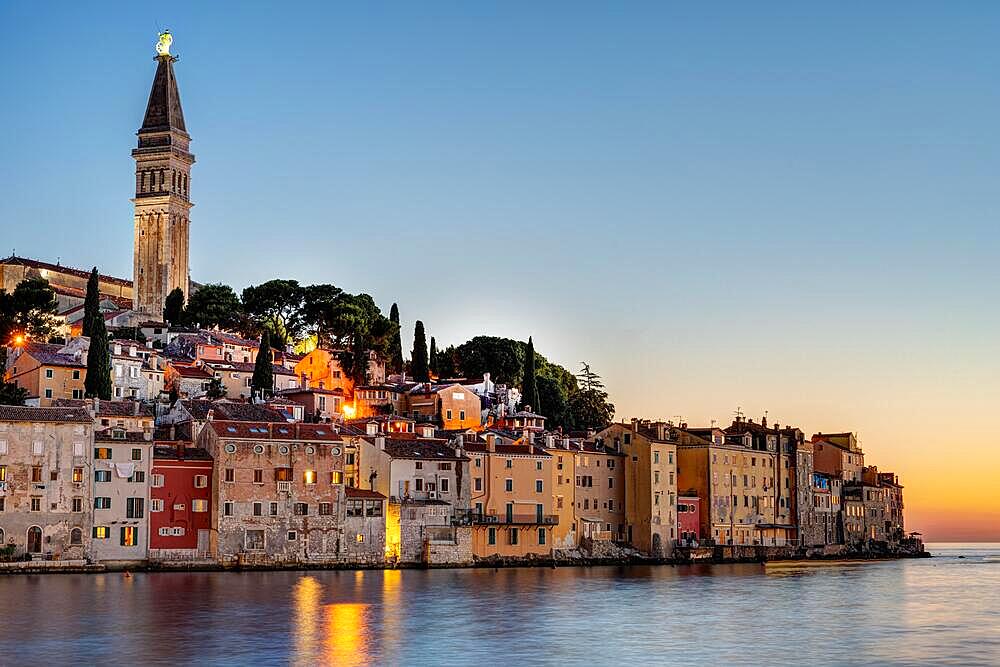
point(473, 517)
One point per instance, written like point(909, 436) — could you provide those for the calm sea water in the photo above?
point(944, 610)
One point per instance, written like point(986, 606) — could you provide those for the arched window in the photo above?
point(76, 536)
point(34, 540)
point(1, 537)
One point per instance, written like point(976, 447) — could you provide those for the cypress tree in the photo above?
point(433, 365)
point(92, 304)
point(529, 387)
point(396, 345)
point(262, 383)
point(98, 381)
point(419, 354)
point(173, 307)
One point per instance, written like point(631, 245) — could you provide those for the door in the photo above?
point(34, 540)
point(203, 543)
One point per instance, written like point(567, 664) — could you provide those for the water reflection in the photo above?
point(939, 611)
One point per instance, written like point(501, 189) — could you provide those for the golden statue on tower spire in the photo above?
point(163, 43)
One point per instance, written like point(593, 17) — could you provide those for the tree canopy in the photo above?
point(214, 305)
point(262, 382)
point(418, 358)
point(173, 306)
point(91, 303)
point(98, 381)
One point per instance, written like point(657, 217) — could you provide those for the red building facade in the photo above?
point(689, 519)
point(180, 517)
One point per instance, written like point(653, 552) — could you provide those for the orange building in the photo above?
point(512, 503)
point(322, 369)
point(47, 372)
point(838, 454)
point(455, 407)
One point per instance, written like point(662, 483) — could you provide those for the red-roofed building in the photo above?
point(180, 512)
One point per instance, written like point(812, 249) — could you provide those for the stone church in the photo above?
point(162, 214)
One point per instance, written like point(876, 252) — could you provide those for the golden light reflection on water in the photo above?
point(333, 634)
point(346, 634)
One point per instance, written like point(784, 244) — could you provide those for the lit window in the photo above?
point(309, 477)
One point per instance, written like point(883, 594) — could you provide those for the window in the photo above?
point(336, 477)
point(273, 510)
point(309, 477)
point(177, 531)
point(3, 446)
point(479, 462)
point(419, 465)
point(325, 509)
point(258, 476)
point(230, 474)
point(538, 465)
point(444, 485)
point(491, 536)
point(48, 393)
point(292, 536)
point(136, 454)
point(135, 508)
point(48, 373)
point(444, 466)
point(200, 481)
point(419, 483)
point(199, 505)
point(36, 473)
point(448, 414)
point(373, 508)
point(102, 452)
point(76, 536)
point(254, 540)
point(78, 504)
point(77, 475)
point(538, 486)
point(656, 456)
point(508, 484)
point(101, 532)
point(510, 463)
point(129, 536)
point(3, 473)
point(512, 536)
point(102, 503)
point(156, 505)
point(301, 509)
point(227, 508)
point(355, 508)
point(258, 509)
point(479, 483)
point(102, 475)
point(138, 476)
point(541, 536)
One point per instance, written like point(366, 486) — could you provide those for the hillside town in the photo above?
point(159, 422)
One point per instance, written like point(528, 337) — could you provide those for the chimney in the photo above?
point(763, 421)
point(211, 414)
point(661, 431)
point(97, 405)
point(491, 442)
point(635, 425)
point(380, 443)
point(147, 433)
point(486, 382)
point(371, 428)
point(550, 442)
point(135, 408)
point(173, 432)
point(565, 443)
point(459, 445)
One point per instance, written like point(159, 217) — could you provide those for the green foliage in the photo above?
point(216, 389)
point(214, 305)
point(28, 310)
point(98, 381)
point(317, 302)
point(356, 325)
point(447, 366)
point(421, 373)
point(277, 306)
point(529, 388)
point(396, 343)
point(588, 407)
point(552, 402)
point(432, 363)
point(11, 394)
point(501, 357)
point(173, 306)
point(92, 303)
point(262, 382)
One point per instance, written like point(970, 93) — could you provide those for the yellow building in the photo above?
point(512, 501)
point(650, 473)
point(563, 486)
point(47, 372)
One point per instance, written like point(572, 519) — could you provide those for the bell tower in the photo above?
point(162, 191)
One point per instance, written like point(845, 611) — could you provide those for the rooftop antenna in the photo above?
point(739, 413)
point(713, 423)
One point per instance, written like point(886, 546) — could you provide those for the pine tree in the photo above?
point(419, 354)
point(173, 307)
point(98, 381)
point(529, 386)
point(262, 383)
point(396, 346)
point(92, 304)
point(433, 365)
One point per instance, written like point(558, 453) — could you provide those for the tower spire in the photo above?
point(162, 191)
